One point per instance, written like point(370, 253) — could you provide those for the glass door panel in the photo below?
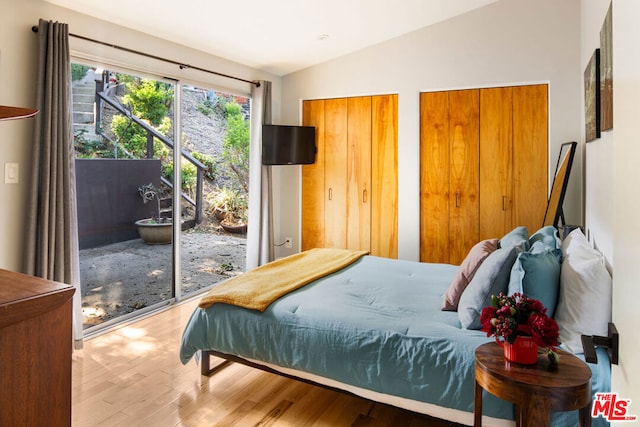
point(123, 134)
point(215, 135)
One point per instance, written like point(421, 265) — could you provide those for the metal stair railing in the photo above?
point(151, 133)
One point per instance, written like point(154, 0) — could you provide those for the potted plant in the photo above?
point(155, 230)
point(523, 324)
point(230, 208)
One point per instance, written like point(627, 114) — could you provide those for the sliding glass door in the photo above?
point(215, 131)
point(137, 196)
point(123, 135)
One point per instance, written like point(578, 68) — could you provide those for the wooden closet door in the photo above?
point(449, 159)
point(335, 169)
point(496, 162)
point(463, 173)
point(313, 192)
point(358, 207)
point(530, 155)
point(384, 172)
point(434, 177)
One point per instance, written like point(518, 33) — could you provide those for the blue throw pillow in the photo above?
point(491, 278)
point(548, 238)
point(537, 274)
point(519, 236)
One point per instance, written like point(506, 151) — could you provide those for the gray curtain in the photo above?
point(260, 227)
point(51, 247)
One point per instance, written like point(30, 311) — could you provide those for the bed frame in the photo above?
point(207, 370)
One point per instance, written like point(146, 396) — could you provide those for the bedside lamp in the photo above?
point(11, 113)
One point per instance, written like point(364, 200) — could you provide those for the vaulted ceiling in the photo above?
point(277, 36)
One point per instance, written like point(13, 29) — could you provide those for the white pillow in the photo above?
point(584, 303)
point(575, 239)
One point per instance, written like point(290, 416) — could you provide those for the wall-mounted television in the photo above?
point(288, 145)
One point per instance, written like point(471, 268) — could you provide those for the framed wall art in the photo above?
point(606, 74)
point(592, 97)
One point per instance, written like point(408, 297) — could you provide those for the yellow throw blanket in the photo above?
point(258, 288)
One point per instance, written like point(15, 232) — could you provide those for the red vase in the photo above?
point(523, 350)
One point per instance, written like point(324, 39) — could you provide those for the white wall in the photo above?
point(611, 195)
point(598, 154)
point(18, 62)
point(508, 42)
point(626, 200)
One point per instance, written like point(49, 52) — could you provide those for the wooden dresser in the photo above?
point(36, 342)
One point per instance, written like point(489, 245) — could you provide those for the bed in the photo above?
point(374, 328)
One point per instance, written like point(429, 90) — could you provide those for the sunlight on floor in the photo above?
point(127, 341)
point(133, 333)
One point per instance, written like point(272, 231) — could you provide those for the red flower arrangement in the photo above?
point(510, 316)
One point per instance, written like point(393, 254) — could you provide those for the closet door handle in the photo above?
point(330, 194)
point(504, 208)
point(457, 199)
point(364, 196)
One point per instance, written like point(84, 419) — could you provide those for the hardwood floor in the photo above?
point(132, 376)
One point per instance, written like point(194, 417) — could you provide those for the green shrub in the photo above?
point(189, 172)
point(130, 135)
point(206, 107)
point(91, 149)
point(235, 144)
point(134, 138)
point(209, 162)
point(78, 71)
point(232, 109)
point(126, 78)
point(149, 99)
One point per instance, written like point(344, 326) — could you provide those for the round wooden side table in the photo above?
point(536, 390)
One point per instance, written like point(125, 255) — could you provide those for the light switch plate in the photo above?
point(11, 173)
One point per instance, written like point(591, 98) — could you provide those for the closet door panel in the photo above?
point(463, 173)
point(335, 219)
point(313, 193)
point(434, 177)
point(496, 171)
point(384, 183)
point(359, 173)
point(530, 158)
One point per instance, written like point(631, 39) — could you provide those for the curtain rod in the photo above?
point(148, 55)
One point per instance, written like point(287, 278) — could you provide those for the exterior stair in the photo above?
point(166, 206)
point(83, 94)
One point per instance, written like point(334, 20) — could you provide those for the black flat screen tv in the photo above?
point(288, 145)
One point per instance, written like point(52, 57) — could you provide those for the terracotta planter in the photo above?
point(523, 350)
point(155, 233)
point(234, 228)
point(219, 214)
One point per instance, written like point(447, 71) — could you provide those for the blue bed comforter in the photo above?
point(376, 324)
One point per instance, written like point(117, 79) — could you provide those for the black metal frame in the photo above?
point(611, 343)
point(182, 66)
point(207, 370)
point(559, 213)
point(151, 134)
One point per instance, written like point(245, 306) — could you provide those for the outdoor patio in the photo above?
point(123, 277)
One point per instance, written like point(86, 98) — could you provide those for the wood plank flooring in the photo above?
point(132, 376)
